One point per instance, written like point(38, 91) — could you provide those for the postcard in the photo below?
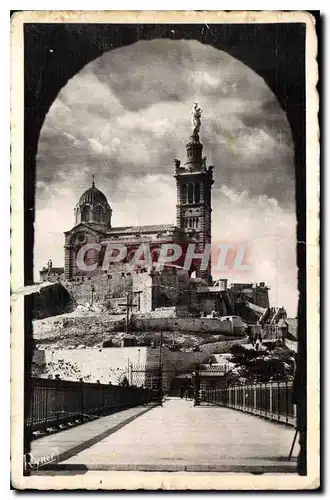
point(165, 251)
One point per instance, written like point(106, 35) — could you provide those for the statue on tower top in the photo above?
point(196, 114)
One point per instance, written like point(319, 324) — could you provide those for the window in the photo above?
point(184, 193)
point(85, 215)
point(190, 193)
point(197, 193)
point(98, 214)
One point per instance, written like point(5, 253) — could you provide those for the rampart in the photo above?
point(198, 325)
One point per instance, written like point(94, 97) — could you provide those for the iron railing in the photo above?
point(55, 403)
point(272, 400)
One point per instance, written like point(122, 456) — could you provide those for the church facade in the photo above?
point(93, 219)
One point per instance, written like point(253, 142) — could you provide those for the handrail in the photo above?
point(271, 400)
point(53, 403)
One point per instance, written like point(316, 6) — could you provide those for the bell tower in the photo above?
point(194, 184)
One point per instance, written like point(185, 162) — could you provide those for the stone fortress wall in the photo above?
point(150, 291)
point(111, 365)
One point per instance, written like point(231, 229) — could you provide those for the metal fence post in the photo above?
point(46, 409)
point(31, 406)
point(81, 380)
point(99, 397)
point(197, 387)
point(160, 385)
point(254, 398)
point(295, 415)
point(286, 402)
point(271, 400)
point(57, 381)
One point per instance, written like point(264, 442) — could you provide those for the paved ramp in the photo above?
point(179, 436)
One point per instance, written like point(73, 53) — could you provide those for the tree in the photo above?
point(261, 366)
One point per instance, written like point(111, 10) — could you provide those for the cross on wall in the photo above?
point(129, 305)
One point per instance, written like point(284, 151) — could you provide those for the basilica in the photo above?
point(93, 218)
point(189, 290)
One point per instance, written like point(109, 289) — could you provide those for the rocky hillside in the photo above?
point(74, 329)
point(61, 324)
point(93, 328)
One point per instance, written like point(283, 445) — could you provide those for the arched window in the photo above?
point(85, 215)
point(184, 193)
point(190, 193)
point(197, 193)
point(98, 214)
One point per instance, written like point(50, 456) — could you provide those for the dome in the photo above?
point(93, 196)
point(93, 207)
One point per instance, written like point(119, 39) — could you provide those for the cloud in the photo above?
point(268, 231)
point(127, 114)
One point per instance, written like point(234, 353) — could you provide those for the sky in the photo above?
point(126, 115)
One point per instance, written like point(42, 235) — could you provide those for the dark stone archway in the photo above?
point(53, 53)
